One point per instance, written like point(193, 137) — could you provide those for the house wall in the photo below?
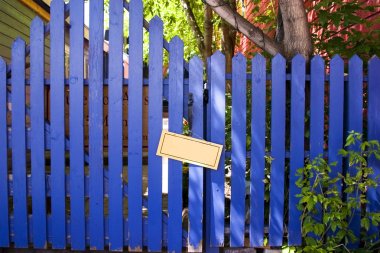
point(15, 19)
point(248, 48)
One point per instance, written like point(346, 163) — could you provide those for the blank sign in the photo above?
point(191, 150)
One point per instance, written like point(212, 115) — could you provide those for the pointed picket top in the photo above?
point(355, 65)
point(336, 60)
point(258, 64)
point(36, 23)
point(375, 60)
point(278, 64)
point(258, 58)
point(195, 60)
point(217, 55)
point(317, 70)
point(278, 58)
point(18, 42)
point(156, 21)
point(355, 59)
point(373, 68)
point(317, 59)
point(298, 58)
point(176, 40)
point(238, 56)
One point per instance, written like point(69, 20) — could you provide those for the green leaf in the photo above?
point(365, 223)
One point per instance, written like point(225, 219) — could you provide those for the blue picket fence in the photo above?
point(44, 203)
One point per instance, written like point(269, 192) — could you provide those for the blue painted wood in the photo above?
point(106, 221)
point(217, 124)
point(317, 94)
point(37, 137)
point(4, 214)
point(175, 126)
point(96, 125)
point(208, 190)
point(196, 172)
point(297, 153)
point(355, 123)
point(57, 131)
point(18, 144)
point(336, 98)
point(154, 132)
point(373, 194)
point(276, 215)
point(317, 106)
point(135, 125)
point(238, 156)
point(76, 122)
point(115, 127)
point(256, 230)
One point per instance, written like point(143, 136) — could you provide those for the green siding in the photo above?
point(15, 19)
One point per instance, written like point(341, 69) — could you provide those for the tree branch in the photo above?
point(194, 25)
point(253, 33)
point(208, 27)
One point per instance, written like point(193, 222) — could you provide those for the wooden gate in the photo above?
point(56, 192)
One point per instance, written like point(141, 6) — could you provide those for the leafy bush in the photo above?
point(329, 203)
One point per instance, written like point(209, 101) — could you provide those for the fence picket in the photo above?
point(335, 135)
point(317, 95)
point(96, 126)
point(355, 123)
point(373, 195)
point(37, 137)
point(76, 122)
point(115, 127)
point(208, 191)
point(175, 126)
point(57, 135)
point(297, 153)
point(4, 213)
point(257, 151)
point(38, 228)
point(155, 128)
point(317, 106)
point(196, 172)
point(238, 155)
point(276, 219)
point(217, 129)
point(135, 125)
point(19, 144)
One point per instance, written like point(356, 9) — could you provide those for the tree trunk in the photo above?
point(228, 40)
point(228, 44)
point(279, 28)
point(297, 38)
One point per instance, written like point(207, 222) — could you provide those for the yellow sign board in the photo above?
point(191, 150)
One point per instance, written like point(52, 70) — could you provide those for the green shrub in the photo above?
point(327, 212)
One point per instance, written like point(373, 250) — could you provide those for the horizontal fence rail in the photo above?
point(71, 179)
